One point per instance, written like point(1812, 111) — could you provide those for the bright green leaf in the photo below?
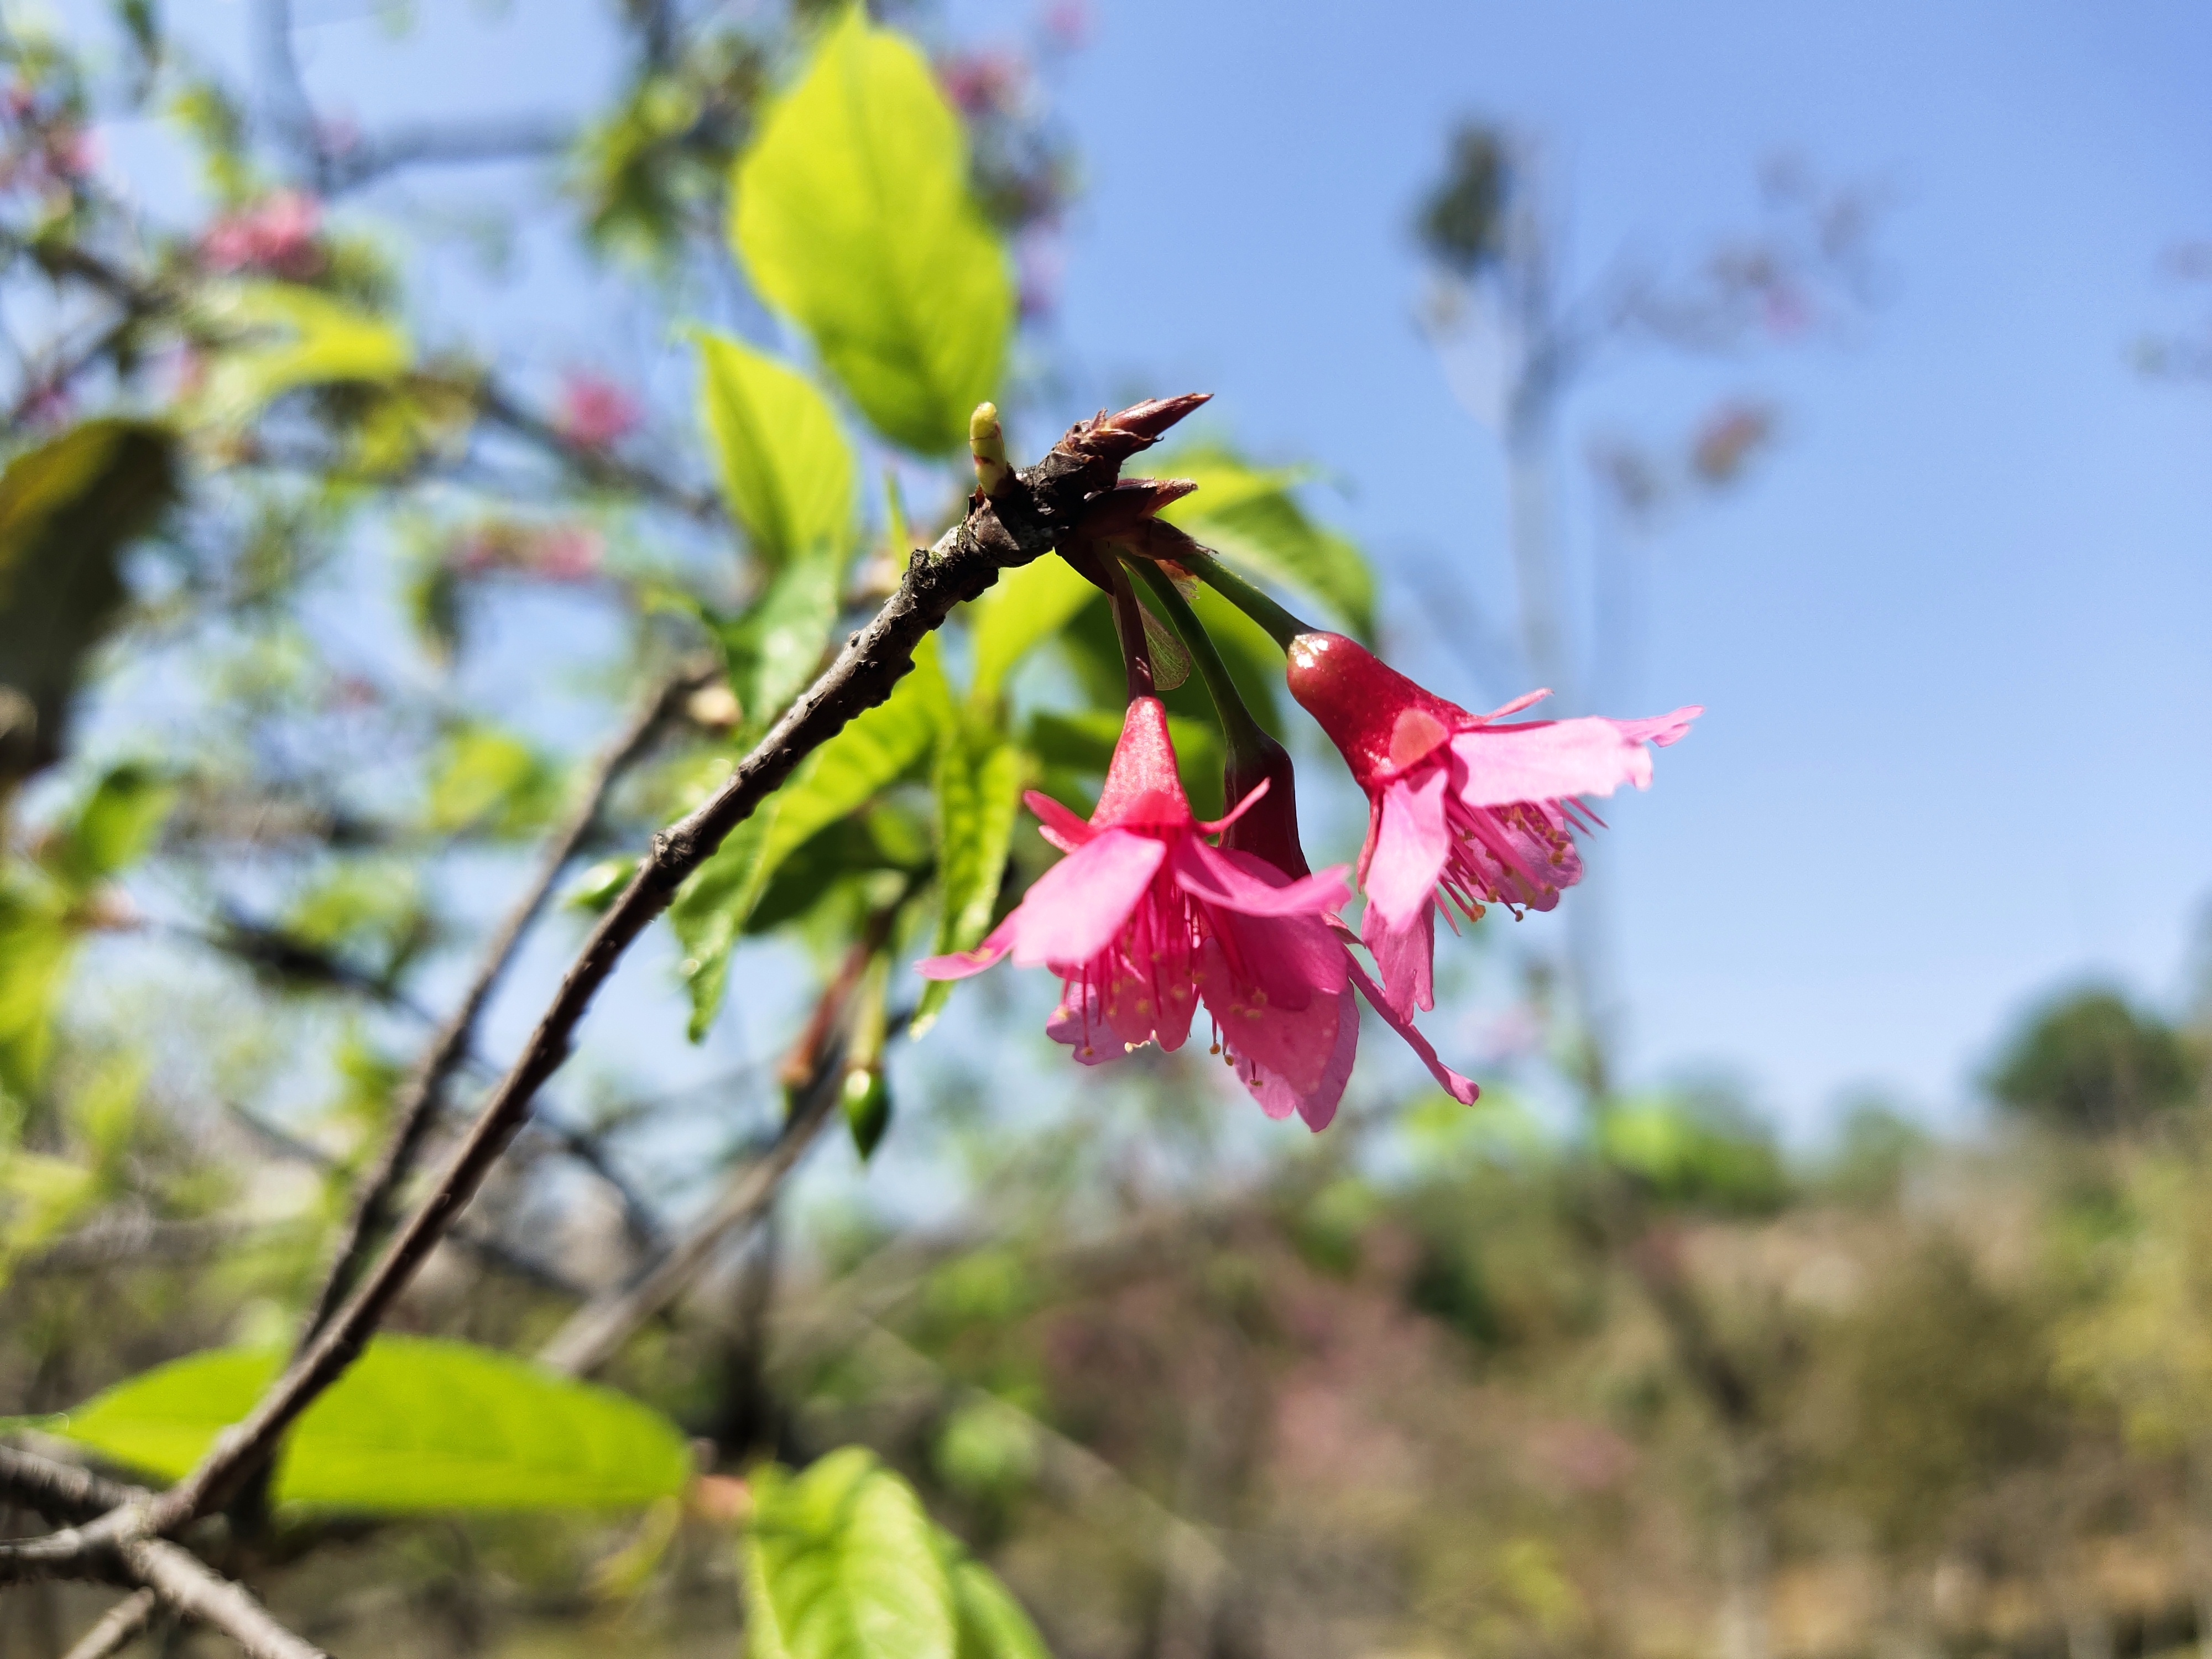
point(114, 827)
point(35, 940)
point(992, 1622)
point(979, 794)
point(492, 782)
point(852, 214)
point(873, 752)
point(416, 1424)
point(787, 469)
point(842, 1563)
point(1028, 605)
point(284, 338)
point(776, 647)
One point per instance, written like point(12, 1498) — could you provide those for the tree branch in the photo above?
point(117, 1627)
point(420, 1105)
point(1031, 512)
point(195, 1590)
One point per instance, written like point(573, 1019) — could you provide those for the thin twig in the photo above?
point(424, 1097)
point(117, 1627)
point(59, 1490)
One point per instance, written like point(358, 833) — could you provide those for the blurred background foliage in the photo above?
point(312, 618)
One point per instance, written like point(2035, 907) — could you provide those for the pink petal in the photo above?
point(1411, 844)
point(1407, 957)
point(1086, 1032)
point(1318, 1104)
point(1059, 826)
point(1074, 910)
point(1499, 765)
point(1142, 786)
point(961, 963)
point(1238, 881)
point(1459, 1088)
point(1294, 1042)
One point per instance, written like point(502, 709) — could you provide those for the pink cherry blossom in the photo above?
point(278, 234)
point(595, 413)
point(1145, 921)
point(1460, 806)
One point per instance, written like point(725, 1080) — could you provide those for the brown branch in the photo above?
point(117, 1627)
point(195, 1590)
point(816, 1073)
point(1036, 508)
point(424, 1099)
point(58, 1491)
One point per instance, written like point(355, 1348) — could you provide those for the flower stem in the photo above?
point(1282, 627)
point(1129, 623)
point(1246, 740)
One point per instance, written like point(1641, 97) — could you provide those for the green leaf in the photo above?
point(1251, 515)
point(285, 337)
point(842, 1563)
point(871, 754)
point(787, 469)
point(68, 509)
point(491, 782)
point(854, 216)
point(992, 1622)
point(35, 941)
point(775, 648)
point(113, 829)
point(1028, 606)
point(417, 1425)
point(979, 782)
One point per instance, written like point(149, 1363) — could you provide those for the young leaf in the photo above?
point(776, 647)
point(870, 755)
point(992, 1622)
point(979, 794)
point(1026, 607)
point(852, 214)
point(290, 336)
point(842, 1563)
point(417, 1425)
point(114, 827)
point(787, 469)
point(1251, 515)
point(489, 781)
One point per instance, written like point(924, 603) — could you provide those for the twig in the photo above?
point(59, 1490)
point(425, 1095)
point(195, 1590)
point(117, 1627)
point(597, 1331)
point(1032, 511)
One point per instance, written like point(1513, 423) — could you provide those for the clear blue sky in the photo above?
point(1956, 637)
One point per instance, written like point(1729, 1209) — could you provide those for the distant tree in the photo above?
point(2089, 1063)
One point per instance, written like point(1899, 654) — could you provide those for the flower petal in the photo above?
point(961, 963)
point(1240, 882)
point(1293, 1041)
point(1407, 957)
point(1083, 1028)
point(1459, 1088)
point(1411, 844)
point(1074, 910)
point(1499, 765)
point(1316, 1106)
point(1057, 824)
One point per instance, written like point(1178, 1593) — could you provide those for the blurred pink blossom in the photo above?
point(1068, 22)
point(595, 413)
point(990, 82)
point(556, 553)
point(276, 235)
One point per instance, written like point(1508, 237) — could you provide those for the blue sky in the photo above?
point(1953, 635)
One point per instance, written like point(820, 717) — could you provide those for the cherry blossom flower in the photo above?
point(1143, 921)
point(1460, 806)
point(278, 234)
point(595, 413)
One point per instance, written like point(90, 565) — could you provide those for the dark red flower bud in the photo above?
point(1268, 828)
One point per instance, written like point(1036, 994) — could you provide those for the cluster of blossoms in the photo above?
point(279, 235)
point(1153, 915)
